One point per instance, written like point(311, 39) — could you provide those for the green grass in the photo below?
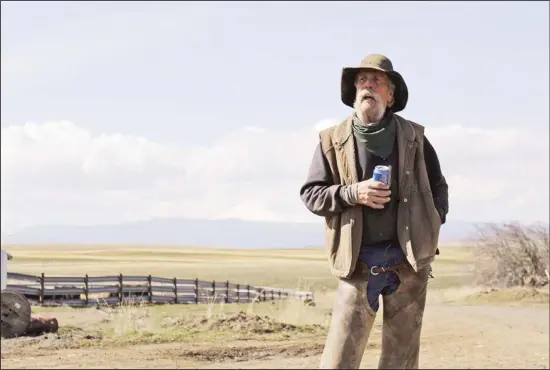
point(142, 324)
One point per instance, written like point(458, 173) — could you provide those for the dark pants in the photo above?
point(385, 283)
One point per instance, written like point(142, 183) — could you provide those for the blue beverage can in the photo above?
point(382, 174)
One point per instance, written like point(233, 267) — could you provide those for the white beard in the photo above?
point(368, 111)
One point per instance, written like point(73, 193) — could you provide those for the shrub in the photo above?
point(511, 255)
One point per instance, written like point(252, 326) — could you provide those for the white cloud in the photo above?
point(495, 174)
point(57, 172)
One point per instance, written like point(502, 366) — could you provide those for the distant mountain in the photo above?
point(227, 233)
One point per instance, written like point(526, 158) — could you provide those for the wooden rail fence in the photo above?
point(118, 289)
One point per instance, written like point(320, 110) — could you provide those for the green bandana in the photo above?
point(379, 139)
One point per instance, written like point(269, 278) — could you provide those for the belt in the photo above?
point(375, 270)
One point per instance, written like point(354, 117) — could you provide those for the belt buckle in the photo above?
point(374, 273)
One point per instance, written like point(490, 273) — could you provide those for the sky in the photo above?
point(122, 111)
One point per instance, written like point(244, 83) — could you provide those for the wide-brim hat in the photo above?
point(380, 63)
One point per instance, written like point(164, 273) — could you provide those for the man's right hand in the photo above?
point(373, 194)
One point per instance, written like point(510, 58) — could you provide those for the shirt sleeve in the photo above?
point(319, 193)
point(438, 184)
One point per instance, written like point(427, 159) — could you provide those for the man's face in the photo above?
point(374, 93)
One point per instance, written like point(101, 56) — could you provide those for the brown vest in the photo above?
point(418, 221)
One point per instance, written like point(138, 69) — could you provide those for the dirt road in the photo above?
point(453, 337)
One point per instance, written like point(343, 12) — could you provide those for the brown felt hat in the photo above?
point(380, 63)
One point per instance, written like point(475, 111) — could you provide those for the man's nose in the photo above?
point(369, 85)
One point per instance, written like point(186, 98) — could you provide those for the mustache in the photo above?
point(366, 93)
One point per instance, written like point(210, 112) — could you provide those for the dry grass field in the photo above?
point(465, 326)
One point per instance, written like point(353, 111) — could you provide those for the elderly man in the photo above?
point(381, 239)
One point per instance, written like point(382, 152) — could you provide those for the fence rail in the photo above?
point(118, 289)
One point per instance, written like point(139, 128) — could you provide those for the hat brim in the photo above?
point(348, 90)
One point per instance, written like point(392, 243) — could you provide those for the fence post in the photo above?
point(41, 289)
point(150, 288)
point(272, 295)
point(120, 289)
point(238, 293)
point(176, 290)
point(227, 291)
point(214, 290)
point(86, 288)
point(279, 294)
point(248, 293)
point(197, 291)
point(263, 293)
